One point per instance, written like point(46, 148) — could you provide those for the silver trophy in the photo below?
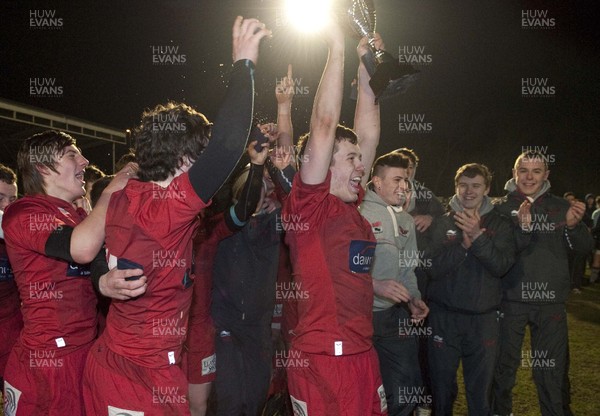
point(388, 76)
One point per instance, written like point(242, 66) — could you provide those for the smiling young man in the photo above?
point(546, 228)
point(332, 252)
point(397, 298)
point(472, 248)
point(48, 240)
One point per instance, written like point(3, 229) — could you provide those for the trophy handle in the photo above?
point(378, 53)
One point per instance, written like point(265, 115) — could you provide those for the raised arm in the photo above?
point(366, 117)
point(325, 112)
point(242, 210)
point(233, 122)
point(284, 93)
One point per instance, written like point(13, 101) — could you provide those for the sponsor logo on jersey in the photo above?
point(382, 401)
point(300, 407)
point(115, 411)
point(64, 212)
point(78, 270)
point(11, 399)
point(361, 256)
point(6, 272)
point(209, 365)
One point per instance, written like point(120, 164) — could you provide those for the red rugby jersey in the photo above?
point(153, 226)
point(332, 249)
point(59, 303)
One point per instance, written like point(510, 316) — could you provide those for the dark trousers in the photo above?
point(472, 338)
point(243, 370)
point(547, 357)
point(395, 340)
point(423, 282)
point(577, 262)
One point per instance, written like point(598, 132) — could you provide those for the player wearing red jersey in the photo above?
point(133, 368)
point(335, 370)
point(48, 240)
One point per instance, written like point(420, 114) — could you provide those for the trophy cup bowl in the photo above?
point(388, 76)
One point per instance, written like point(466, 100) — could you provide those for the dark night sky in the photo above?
point(470, 93)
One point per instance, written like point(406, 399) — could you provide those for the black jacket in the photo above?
point(541, 273)
point(469, 281)
point(245, 272)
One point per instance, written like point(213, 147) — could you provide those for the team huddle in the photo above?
point(151, 299)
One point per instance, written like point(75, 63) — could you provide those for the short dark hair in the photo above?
point(568, 193)
point(7, 175)
point(124, 160)
point(98, 187)
point(393, 159)
point(409, 153)
point(41, 150)
point(92, 173)
point(166, 135)
point(342, 133)
point(470, 170)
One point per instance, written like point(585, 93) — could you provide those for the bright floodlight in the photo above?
point(308, 15)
